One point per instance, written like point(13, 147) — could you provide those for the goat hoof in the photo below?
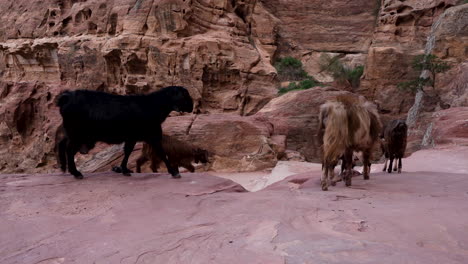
point(333, 183)
point(324, 186)
point(348, 181)
point(366, 177)
point(78, 176)
point(176, 176)
point(117, 169)
point(128, 174)
point(394, 170)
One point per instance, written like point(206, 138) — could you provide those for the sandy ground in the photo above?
point(418, 216)
point(455, 161)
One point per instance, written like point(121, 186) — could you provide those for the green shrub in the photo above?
point(413, 85)
point(420, 63)
point(302, 85)
point(354, 76)
point(290, 69)
point(341, 73)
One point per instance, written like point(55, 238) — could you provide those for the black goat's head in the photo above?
point(200, 155)
point(401, 128)
point(181, 99)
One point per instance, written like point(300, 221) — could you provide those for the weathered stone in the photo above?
point(222, 51)
point(239, 143)
point(330, 26)
point(295, 115)
point(451, 126)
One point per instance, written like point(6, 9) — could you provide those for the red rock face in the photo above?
point(327, 26)
point(451, 126)
point(222, 51)
point(28, 125)
point(295, 115)
point(401, 33)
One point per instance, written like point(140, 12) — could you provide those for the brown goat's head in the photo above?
point(200, 155)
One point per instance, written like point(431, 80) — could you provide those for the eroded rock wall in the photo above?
point(223, 52)
point(401, 33)
point(220, 50)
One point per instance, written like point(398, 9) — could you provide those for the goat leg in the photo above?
point(367, 164)
point(385, 165)
point(62, 154)
point(348, 165)
point(390, 165)
point(128, 148)
point(188, 166)
point(140, 162)
point(331, 176)
point(399, 165)
point(157, 146)
point(324, 178)
point(72, 149)
point(155, 166)
point(348, 175)
point(396, 163)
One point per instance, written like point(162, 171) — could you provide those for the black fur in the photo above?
point(91, 116)
point(393, 144)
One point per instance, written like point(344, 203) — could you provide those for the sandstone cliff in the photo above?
point(223, 52)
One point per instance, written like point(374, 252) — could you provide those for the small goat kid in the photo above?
point(394, 143)
point(91, 116)
point(179, 154)
point(348, 124)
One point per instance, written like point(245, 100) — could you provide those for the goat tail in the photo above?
point(336, 136)
point(63, 98)
point(62, 154)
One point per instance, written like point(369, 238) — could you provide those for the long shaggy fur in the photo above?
point(179, 154)
point(346, 125)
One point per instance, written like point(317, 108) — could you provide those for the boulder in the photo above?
point(451, 126)
point(295, 115)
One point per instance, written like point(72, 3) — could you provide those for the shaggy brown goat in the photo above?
point(394, 143)
point(180, 154)
point(348, 124)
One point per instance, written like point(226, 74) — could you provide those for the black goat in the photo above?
point(91, 116)
point(394, 143)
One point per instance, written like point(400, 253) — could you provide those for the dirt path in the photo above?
point(413, 217)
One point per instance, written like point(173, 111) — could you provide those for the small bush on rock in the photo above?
point(423, 62)
point(302, 85)
point(290, 69)
point(341, 73)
